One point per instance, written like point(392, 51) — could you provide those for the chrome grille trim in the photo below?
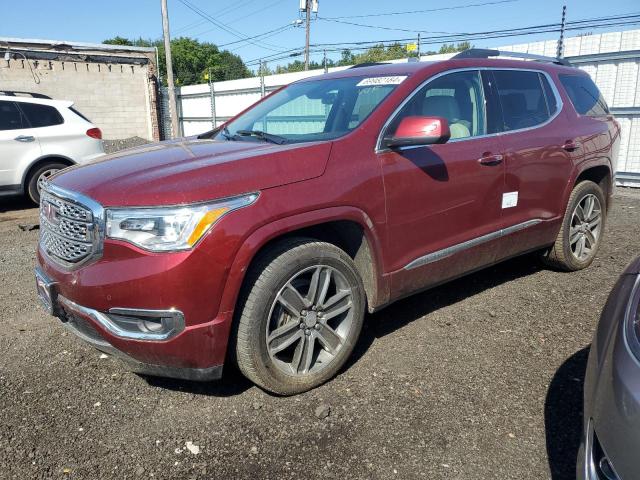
point(71, 227)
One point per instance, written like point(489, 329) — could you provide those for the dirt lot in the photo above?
point(481, 378)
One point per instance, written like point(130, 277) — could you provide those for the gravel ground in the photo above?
point(111, 146)
point(478, 379)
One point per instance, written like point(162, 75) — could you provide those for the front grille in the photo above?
point(67, 229)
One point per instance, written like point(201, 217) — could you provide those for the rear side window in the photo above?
point(524, 100)
point(41, 115)
point(10, 117)
point(584, 95)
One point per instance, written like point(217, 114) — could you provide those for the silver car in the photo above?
point(610, 447)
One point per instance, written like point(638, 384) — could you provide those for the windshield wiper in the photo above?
point(225, 133)
point(269, 137)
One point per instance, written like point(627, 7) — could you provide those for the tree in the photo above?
point(193, 60)
point(451, 48)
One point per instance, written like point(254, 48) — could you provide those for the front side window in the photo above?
point(456, 97)
point(41, 115)
point(523, 99)
point(584, 95)
point(10, 117)
point(313, 110)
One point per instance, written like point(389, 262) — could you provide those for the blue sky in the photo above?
point(83, 21)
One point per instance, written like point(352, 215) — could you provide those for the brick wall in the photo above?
point(116, 97)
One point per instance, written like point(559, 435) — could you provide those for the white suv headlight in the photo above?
point(162, 229)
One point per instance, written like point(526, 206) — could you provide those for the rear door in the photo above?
point(534, 138)
point(48, 127)
point(18, 144)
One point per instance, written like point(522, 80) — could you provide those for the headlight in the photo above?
point(162, 229)
point(632, 319)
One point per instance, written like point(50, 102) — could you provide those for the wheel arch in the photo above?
point(601, 175)
point(346, 227)
point(26, 176)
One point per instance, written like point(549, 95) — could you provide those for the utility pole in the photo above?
point(173, 106)
point(324, 62)
point(418, 46)
point(559, 53)
point(308, 31)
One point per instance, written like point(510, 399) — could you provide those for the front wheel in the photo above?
point(300, 317)
point(582, 229)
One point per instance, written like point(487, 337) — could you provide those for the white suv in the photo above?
point(38, 137)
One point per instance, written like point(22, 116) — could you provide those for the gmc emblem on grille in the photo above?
point(50, 213)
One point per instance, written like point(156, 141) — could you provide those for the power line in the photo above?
point(455, 7)
point(584, 24)
point(225, 28)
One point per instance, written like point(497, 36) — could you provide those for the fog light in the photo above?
point(147, 324)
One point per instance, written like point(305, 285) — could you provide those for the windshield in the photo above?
point(314, 110)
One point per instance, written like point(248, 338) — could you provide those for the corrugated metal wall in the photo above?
point(612, 59)
point(613, 62)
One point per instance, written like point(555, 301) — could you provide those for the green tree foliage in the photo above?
point(193, 60)
point(451, 48)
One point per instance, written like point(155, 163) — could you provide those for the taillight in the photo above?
point(95, 133)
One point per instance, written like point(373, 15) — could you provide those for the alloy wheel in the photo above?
point(586, 226)
point(309, 320)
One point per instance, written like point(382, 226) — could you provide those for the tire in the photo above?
point(565, 254)
point(45, 170)
point(279, 293)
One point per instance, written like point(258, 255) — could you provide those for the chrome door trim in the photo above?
point(474, 242)
point(559, 104)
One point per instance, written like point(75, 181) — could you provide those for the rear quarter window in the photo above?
point(41, 115)
point(584, 95)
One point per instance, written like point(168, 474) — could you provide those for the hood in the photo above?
point(193, 170)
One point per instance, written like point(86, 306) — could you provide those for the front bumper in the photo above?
point(168, 349)
point(611, 397)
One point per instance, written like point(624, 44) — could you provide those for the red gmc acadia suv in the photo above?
point(265, 241)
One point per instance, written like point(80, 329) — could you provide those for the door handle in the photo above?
point(490, 159)
point(25, 138)
point(571, 146)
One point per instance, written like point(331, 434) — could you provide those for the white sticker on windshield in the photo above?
point(374, 81)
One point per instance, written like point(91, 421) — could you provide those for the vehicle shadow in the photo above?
point(231, 384)
point(563, 410)
point(379, 324)
point(405, 311)
point(10, 204)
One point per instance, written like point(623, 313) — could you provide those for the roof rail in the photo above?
point(15, 93)
point(368, 64)
point(486, 53)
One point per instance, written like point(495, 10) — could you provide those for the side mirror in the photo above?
point(417, 131)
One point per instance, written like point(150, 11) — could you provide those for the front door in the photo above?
point(443, 201)
point(18, 145)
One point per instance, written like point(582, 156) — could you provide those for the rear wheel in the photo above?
point(301, 316)
point(41, 175)
point(582, 228)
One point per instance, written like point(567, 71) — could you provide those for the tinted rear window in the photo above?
point(584, 95)
point(10, 116)
point(41, 115)
point(522, 98)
